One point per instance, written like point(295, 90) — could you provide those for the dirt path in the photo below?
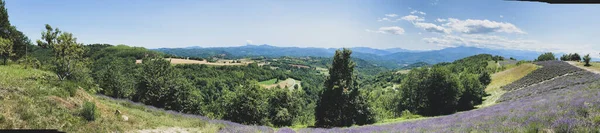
point(584, 68)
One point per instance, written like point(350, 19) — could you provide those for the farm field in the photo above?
point(218, 63)
point(288, 83)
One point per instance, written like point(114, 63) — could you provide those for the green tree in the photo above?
point(546, 57)
point(473, 93)
point(116, 76)
point(18, 39)
point(284, 107)
point(337, 103)
point(247, 104)
point(161, 85)
point(49, 37)
point(431, 91)
point(587, 60)
point(6, 49)
point(67, 56)
point(575, 57)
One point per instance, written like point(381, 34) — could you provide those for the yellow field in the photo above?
point(288, 83)
point(218, 63)
point(594, 68)
point(503, 78)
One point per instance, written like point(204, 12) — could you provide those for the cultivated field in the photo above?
point(287, 83)
point(504, 78)
point(217, 63)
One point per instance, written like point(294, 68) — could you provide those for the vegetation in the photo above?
point(60, 91)
point(340, 103)
point(546, 57)
point(570, 57)
point(6, 47)
point(587, 59)
point(89, 111)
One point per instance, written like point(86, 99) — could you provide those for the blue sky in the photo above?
point(418, 24)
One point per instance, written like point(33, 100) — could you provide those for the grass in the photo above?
point(269, 82)
point(504, 78)
point(595, 65)
point(30, 101)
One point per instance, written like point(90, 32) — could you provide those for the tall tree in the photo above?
point(67, 55)
point(587, 59)
point(6, 49)
point(18, 39)
point(337, 102)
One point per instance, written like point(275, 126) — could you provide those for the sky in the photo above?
point(415, 24)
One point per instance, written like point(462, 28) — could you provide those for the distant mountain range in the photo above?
point(390, 58)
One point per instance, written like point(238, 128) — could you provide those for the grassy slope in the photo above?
point(503, 78)
point(594, 68)
point(29, 101)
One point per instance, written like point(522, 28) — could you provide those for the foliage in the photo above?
point(123, 51)
point(89, 111)
point(339, 103)
point(117, 76)
point(246, 105)
point(587, 59)
point(18, 40)
point(6, 49)
point(546, 57)
point(285, 106)
point(161, 85)
point(431, 91)
point(570, 57)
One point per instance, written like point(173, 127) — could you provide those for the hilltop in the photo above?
point(390, 58)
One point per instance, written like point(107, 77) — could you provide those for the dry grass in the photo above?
point(595, 68)
point(218, 63)
point(504, 78)
point(288, 83)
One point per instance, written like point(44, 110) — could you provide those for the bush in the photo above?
point(546, 57)
point(89, 111)
point(587, 59)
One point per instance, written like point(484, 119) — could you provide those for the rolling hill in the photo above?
point(389, 58)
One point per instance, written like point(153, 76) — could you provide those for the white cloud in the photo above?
point(498, 42)
point(440, 20)
point(387, 19)
point(471, 26)
point(432, 27)
point(391, 15)
point(249, 42)
point(389, 30)
point(413, 18)
point(485, 41)
point(418, 12)
point(501, 16)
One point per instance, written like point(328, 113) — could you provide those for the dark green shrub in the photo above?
point(89, 111)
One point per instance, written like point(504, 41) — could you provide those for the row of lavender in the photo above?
point(569, 103)
point(549, 70)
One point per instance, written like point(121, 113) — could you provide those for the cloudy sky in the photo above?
point(418, 24)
